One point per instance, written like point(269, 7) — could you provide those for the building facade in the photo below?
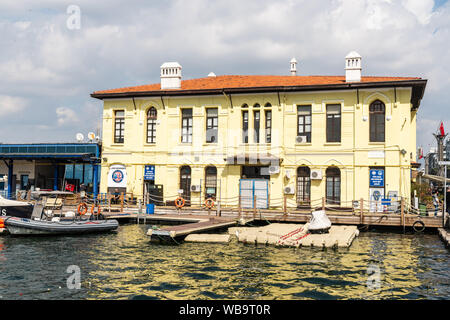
point(267, 141)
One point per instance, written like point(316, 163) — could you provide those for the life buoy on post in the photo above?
point(209, 203)
point(179, 202)
point(85, 208)
point(421, 229)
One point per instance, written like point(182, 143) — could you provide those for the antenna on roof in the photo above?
point(79, 137)
point(91, 136)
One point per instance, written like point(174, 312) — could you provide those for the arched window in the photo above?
point(185, 183)
point(377, 112)
point(210, 182)
point(303, 186)
point(333, 186)
point(151, 125)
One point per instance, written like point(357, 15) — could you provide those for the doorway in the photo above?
point(185, 184)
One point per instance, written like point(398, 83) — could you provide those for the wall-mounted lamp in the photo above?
point(364, 118)
point(403, 151)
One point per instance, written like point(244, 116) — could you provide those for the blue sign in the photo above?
point(149, 173)
point(376, 178)
point(386, 202)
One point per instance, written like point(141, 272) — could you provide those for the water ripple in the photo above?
point(125, 265)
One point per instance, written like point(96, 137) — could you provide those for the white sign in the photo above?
point(117, 176)
point(376, 154)
point(444, 163)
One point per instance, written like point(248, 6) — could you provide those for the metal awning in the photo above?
point(435, 178)
point(253, 159)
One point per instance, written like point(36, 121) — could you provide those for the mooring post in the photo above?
point(239, 206)
point(361, 208)
point(402, 212)
point(254, 206)
point(139, 210)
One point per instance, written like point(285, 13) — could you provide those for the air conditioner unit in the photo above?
point(274, 169)
point(195, 188)
point(289, 190)
point(301, 139)
point(316, 174)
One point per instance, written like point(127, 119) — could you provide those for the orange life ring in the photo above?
point(209, 203)
point(84, 205)
point(178, 204)
point(99, 211)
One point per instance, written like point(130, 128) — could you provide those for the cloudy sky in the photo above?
point(49, 67)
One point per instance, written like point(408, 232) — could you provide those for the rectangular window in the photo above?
point(212, 125)
point(119, 126)
point(186, 125)
point(245, 126)
point(333, 123)
point(268, 126)
point(304, 122)
point(256, 124)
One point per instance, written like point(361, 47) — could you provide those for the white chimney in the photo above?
point(353, 67)
point(170, 75)
point(293, 67)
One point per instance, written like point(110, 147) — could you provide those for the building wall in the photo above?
point(21, 167)
point(353, 155)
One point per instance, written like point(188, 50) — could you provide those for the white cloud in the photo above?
point(422, 9)
point(66, 116)
point(10, 105)
point(122, 44)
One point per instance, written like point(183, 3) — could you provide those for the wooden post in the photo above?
point(239, 206)
point(402, 212)
point(361, 211)
point(121, 202)
point(254, 206)
point(285, 204)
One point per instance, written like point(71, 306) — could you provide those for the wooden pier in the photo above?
point(170, 233)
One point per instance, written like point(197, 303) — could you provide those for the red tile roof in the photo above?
point(235, 81)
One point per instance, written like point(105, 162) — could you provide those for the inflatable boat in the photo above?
point(23, 226)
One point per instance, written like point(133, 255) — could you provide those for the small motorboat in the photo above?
point(13, 208)
point(319, 222)
point(23, 226)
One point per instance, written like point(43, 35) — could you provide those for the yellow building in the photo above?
point(299, 138)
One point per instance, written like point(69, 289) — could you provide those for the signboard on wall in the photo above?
point(376, 197)
point(149, 172)
point(117, 176)
point(376, 178)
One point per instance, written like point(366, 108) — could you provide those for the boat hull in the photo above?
point(24, 211)
point(22, 227)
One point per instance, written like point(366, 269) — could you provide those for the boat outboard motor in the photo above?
point(319, 222)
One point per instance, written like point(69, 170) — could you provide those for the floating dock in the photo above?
point(296, 235)
point(445, 236)
point(209, 238)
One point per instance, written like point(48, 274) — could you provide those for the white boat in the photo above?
point(13, 208)
point(23, 226)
